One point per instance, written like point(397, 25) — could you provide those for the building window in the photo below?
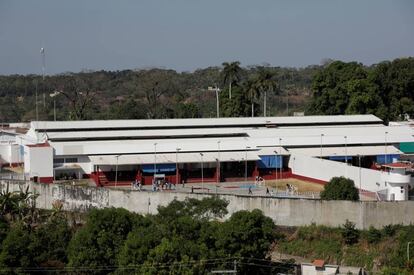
point(59, 161)
point(71, 160)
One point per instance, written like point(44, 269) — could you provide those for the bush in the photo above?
point(391, 229)
point(340, 188)
point(350, 234)
point(373, 235)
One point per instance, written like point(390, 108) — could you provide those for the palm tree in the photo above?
point(231, 73)
point(265, 82)
point(253, 92)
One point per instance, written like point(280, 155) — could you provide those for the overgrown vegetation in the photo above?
point(381, 251)
point(185, 237)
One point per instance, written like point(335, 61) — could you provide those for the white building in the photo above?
point(227, 149)
point(10, 148)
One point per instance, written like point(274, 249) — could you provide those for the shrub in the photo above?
point(340, 188)
point(350, 234)
point(390, 230)
point(373, 235)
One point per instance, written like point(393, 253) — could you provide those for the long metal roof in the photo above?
point(347, 151)
point(173, 158)
point(263, 135)
point(199, 122)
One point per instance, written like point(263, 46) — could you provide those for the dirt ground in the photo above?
point(17, 170)
point(302, 186)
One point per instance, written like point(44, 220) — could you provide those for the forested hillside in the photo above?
point(140, 94)
point(385, 89)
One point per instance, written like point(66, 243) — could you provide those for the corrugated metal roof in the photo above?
point(350, 151)
point(172, 158)
point(89, 124)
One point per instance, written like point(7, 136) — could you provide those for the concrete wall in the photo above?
point(38, 161)
point(9, 153)
point(324, 170)
point(289, 212)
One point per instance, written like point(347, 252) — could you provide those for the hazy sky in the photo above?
point(189, 34)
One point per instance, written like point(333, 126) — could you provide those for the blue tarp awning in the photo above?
point(270, 162)
point(381, 159)
point(161, 168)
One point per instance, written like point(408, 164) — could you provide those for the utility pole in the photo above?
point(217, 90)
point(43, 56)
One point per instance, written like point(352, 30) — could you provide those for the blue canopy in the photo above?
point(161, 168)
point(382, 159)
point(270, 162)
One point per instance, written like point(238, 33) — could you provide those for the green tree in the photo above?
point(97, 244)
point(340, 188)
point(330, 87)
point(16, 255)
point(231, 74)
point(238, 106)
point(253, 93)
point(246, 235)
point(373, 235)
point(350, 234)
point(265, 82)
point(139, 243)
point(50, 241)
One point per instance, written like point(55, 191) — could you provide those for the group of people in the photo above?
point(291, 188)
point(259, 180)
point(136, 185)
point(162, 184)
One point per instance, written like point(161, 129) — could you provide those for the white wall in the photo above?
point(9, 153)
point(38, 161)
point(323, 169)
point(4, 153)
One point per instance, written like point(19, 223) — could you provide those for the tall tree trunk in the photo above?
point(264, 103)
point(230, 90)
point(252, 109)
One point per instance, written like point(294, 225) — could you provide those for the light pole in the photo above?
point(116, 170)
point(218, 162)
point(53, 95)
point(217, 90)
point(386, 154)
point(280, 156)
point(359, 161)
point(37, 108)
point(176, 164)
point(202, 172)
point(346, 150)
point(245, 163)
point(155, 161)
point(322, 135)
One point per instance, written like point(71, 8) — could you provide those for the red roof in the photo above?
point(319, 263)
point(39, 145)
point(398, 165)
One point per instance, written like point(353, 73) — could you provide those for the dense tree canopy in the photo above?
point(385, 89)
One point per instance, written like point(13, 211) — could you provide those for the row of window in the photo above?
point(65, 160)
